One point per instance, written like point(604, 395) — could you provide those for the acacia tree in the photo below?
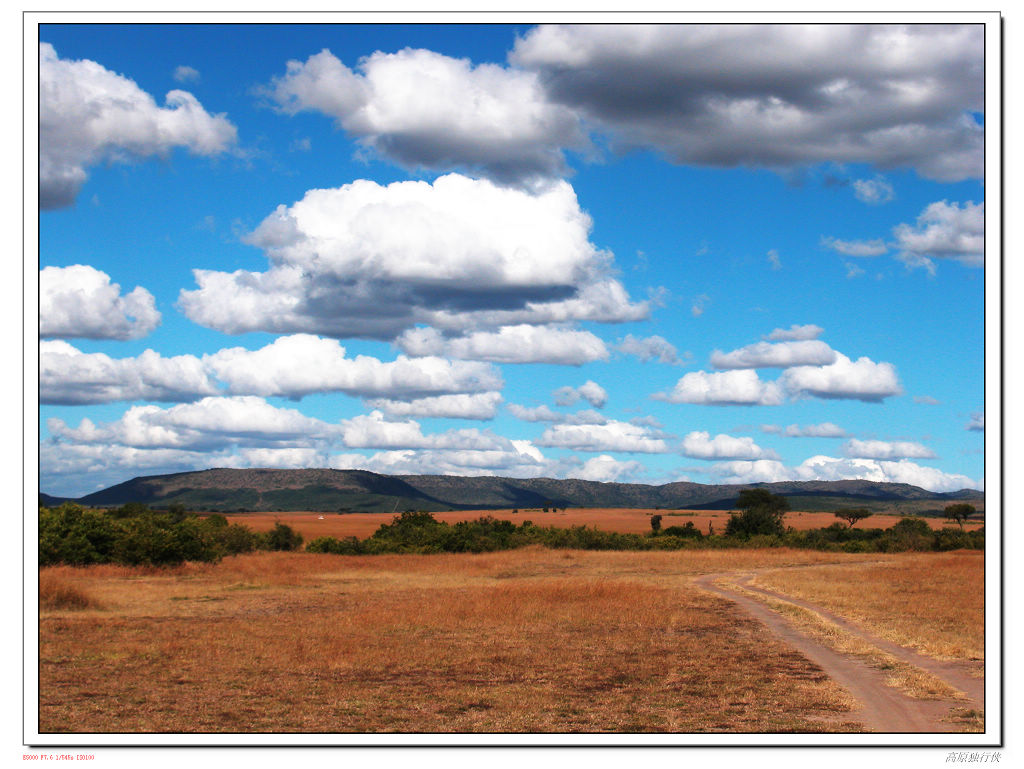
point(762, 513)
point(853, 514)
point(960, 512)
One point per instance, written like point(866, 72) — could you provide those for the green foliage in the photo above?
point(688, 531)
point(134, 534)
point(960, 512)
point(853, 514)
point(281, 537)
point(347, 546)
point(655, 523)
point(762, 513)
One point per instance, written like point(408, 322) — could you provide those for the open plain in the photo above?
point(530, 640)
point(625, 520)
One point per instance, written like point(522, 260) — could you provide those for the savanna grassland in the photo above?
point(624, 520)
point(528, 640)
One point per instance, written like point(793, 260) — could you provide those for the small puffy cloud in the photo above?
point(774, 260)
point(480, 406)
point(823, 468)
point(700, 303)
point(458, 255)
point(700, 445)
point(811, 352)
point(774, 96)
point(80, 301)
point(611, 436)
point(977, 422)
point(421, 109)
point(68, 376)
point(926, 400)
point(185, 74)
point(606, 469)
point(90, 115)
point(795, 333)
point(301, 364)
point(944, 231)
point(823, 430)
point(649, 348)
point(875, 247)
point(520, 460)
point(509, 344)
point(728, 388)
point(547, 414)
point(590, 391)
point(873, 191)
point(862, 379)
point(374, 431)
point(209, 424)
point(886, 450)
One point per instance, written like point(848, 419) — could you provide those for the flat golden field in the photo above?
point(530, 640)
point(625, 520)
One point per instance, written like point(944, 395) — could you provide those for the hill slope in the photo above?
point(358, 490)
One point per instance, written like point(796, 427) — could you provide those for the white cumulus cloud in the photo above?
point(977, 422)
point(865, 248)
point(700, 445)
point(422, 109)
point(67, 376)
point(547, 414)
point(862, 379)
point(480, 406)
point(375, 431)
point(611, 436)
point(459, 254)
point(812, 352)
point(886, 450)
point(823, 468)
point(301, 364)
point(80, 301)
point(90, 115)
point(795, 333)
point(649, 348)
point(727, 388)
point(944, 231)
point(509, 344)
point(607, 469)
point(590, 391)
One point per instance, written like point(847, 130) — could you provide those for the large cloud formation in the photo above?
point(422, 109)
point(774, 96)
point(80, 302)
point(291, 367)
point(88, 115)
point(372, 261)
point(824, 468)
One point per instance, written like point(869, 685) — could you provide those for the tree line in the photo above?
point(133, 534)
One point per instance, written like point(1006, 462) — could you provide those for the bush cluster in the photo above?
point(422, 533)
point(134, 534)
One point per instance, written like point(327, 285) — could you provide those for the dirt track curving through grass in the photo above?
point(882, 708)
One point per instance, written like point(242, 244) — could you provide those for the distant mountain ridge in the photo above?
point(327, 490)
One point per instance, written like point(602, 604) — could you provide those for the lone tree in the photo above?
point(655, 523)
point(853, 514)
point(960, 512)
point(762, 513)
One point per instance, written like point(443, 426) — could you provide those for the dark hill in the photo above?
point(358, 490)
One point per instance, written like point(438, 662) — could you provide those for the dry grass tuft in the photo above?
point(59, 593)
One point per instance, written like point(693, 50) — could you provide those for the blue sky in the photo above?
point(644, 254)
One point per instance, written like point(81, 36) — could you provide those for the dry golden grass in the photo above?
point(522, 641)
point(624, 520)
point(60, 592)
point(909, 679)
point(932, 602)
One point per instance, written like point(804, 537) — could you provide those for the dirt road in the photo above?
point(882, 708)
